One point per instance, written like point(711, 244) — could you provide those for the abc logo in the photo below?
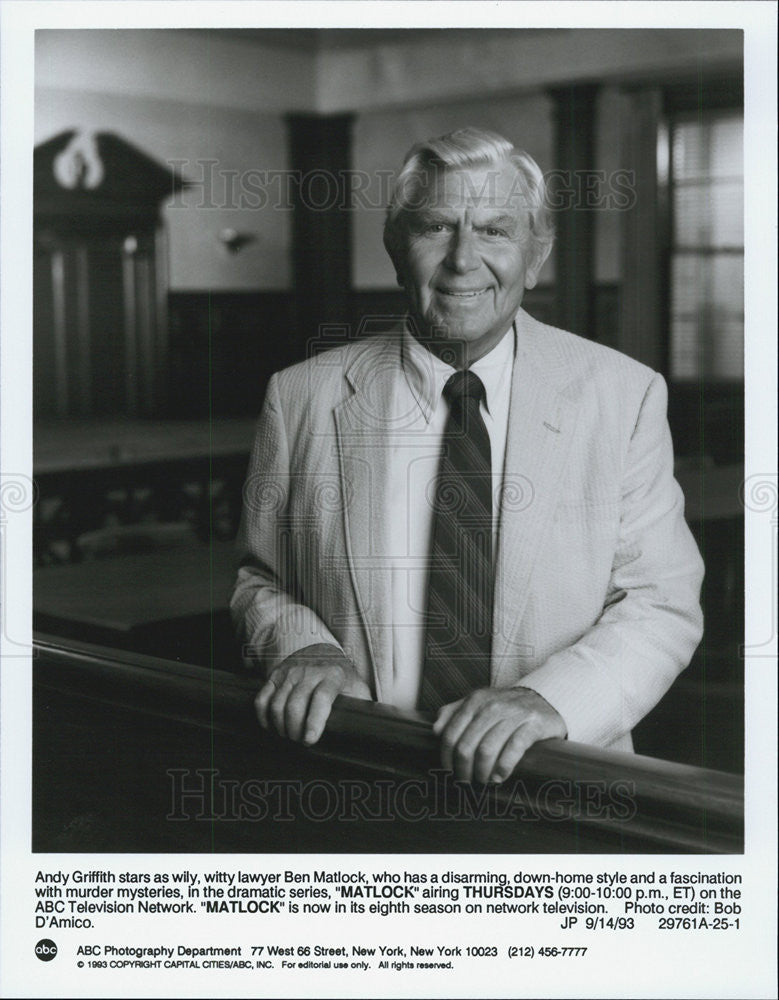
point(46, 950)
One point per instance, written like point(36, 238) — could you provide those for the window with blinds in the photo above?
point(707, 247)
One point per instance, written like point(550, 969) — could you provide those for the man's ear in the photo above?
point(539, 255)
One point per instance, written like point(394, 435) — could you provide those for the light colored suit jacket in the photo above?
point(597, 577)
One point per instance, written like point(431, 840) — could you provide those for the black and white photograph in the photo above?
point(386, 490)
point(202, 258)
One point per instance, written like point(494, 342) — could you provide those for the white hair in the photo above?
point(465, 148)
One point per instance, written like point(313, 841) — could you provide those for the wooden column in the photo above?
point(574, 116)
point(642, 318)
point(320, 160)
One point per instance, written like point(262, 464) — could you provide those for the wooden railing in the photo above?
point(651, 804)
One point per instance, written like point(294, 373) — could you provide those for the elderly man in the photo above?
point(474, 515)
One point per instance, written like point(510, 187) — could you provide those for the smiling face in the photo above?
point(465, 258)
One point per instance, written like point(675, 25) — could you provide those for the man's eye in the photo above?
point(436, 227)
point(493, 231)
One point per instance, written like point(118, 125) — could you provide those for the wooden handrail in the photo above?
point(677, 806)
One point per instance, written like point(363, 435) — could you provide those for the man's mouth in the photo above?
point(465, 293)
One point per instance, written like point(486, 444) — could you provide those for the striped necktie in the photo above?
point(458, 636)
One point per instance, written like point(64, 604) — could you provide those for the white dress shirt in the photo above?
point(416, 440)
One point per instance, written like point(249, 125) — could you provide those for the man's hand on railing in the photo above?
point(298, 695)
point(485, 735)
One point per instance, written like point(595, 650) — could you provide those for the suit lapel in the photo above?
point(364, 460)
point(540, 432)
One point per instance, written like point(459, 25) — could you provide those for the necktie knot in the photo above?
point(462, 386)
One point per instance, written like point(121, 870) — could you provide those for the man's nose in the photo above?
point(463, 256)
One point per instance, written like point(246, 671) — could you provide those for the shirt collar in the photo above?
point(427, 375)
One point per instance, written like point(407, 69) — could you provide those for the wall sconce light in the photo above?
point(233, 241)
